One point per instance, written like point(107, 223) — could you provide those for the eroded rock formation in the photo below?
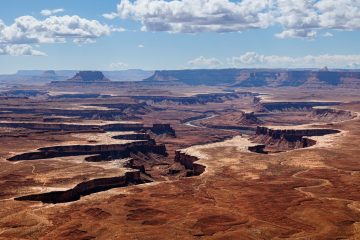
point(291, 106)
point(189, 162)
point(286, 139)
point(104, 151)
point(85, 188)
point(331, 115)
point(89, 76)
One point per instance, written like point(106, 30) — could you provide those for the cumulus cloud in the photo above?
point(196, 15)
point(20, 50)
point(204, 62)
point(252, 59)
point(119, 65)
point(298, 18)
point(27, 30)
point(49, 12)
point(304, 18)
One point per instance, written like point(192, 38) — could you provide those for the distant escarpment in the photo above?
point(260, 77)
point(288, 139)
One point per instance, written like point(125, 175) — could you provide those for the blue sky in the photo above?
point(192, 34)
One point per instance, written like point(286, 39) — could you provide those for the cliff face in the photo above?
point(291, 106)
point(102, 152)
point(85, 188)
point(189, 162)
point(285, 139)
point(258, 77)
point(331, 115)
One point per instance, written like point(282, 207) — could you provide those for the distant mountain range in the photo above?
point(36, 77)
point(229, 77)
point(261, 77)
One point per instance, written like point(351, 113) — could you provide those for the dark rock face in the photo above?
point(85, 188)
point(163, 129)
point(258, 149)
point(102, 152)
point(89, 76)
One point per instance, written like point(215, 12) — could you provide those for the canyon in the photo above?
point(190, 154)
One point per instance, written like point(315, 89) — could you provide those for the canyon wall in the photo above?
point(287, 139)
point(104, 151)
point(189, 162)
point(85, 188)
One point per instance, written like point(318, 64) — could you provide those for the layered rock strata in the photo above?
point(85, 188)
point(286, 139)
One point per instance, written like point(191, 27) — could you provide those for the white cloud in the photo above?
point(49, 12)
point(119, 65)
point(20, 50)
point(304, 18)
point(110, 15)
point(296, 33)
point(298, 18)
point(205, 62)
point(141, 46)
point(252, 59)
point(27, 30)
point(196, 15)
point(328, 34)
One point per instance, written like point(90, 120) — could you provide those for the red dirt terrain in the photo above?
point(148, 162)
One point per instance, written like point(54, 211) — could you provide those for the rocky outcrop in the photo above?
point(85, 188)
point(89, 76)
point(258, 149)
point(331, 115)
point(291, 106)
point(285, 139)
point(189, 162)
